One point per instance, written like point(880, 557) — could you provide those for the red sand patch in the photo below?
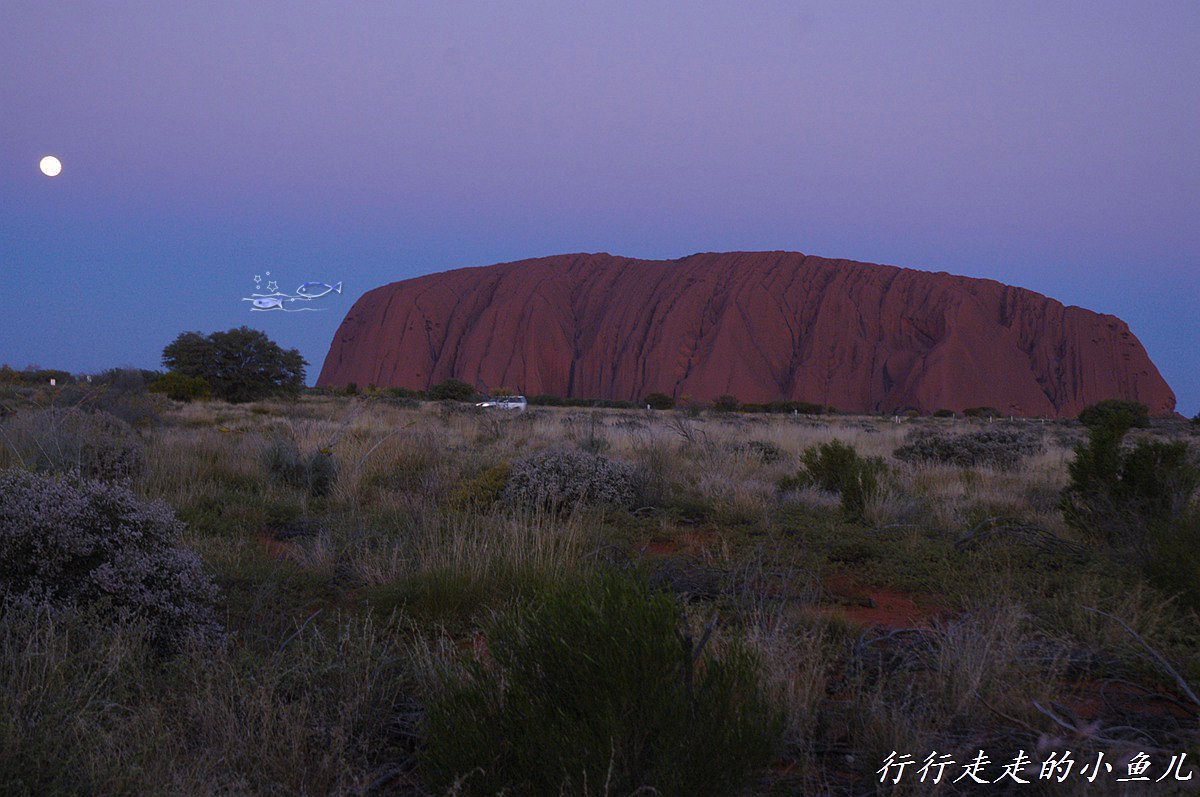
point(879, 606)
point(687, 543)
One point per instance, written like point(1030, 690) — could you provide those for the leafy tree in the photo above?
point(452, 390)
point(239, 365)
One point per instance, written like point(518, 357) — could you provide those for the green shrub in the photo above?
point(561, 479)
point(788, 408)
point(944, 413)
point(179, 387)
point(452, 390)
point(315, 473)
point(95, 445)
point(481, 491)
point(596, 691)
point(91, 544)
point(547, 400)
point(1116, 413)
point(725, 403)
point(981, 412)
point(659, 401)
point(402, 397)
point(837, 468)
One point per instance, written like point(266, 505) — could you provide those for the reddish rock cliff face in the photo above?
point(762, 326)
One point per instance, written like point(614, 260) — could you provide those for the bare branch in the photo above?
point(1158, 657)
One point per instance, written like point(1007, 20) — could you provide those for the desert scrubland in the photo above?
point(375, 595)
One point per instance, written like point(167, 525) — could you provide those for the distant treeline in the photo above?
point(457, 390)
point(34, 375)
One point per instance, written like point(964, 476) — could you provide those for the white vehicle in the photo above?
point(517, 403)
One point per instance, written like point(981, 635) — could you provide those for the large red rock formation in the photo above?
point(762, 326)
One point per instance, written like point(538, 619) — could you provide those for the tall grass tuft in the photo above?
point(598, 690)
point(315, 472)
point(96, 445)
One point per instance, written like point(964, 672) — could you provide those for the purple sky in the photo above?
point(1054, 146)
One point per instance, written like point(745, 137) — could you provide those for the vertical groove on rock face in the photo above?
point(762, 326)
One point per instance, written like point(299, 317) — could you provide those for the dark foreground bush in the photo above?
point(1173, 563)
point(997, 448)
point(1139, 501)
point(94, 444)
point(561, 479)
point(91, 544)
point(837, 468)
point(596, 691)
point(1126, 496)
point(315, 472)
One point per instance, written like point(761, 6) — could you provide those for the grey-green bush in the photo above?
point(78, 542)
point(997, 448)
point(96, 445)
point(558, 479)
point(766, 451)
point(597, 691)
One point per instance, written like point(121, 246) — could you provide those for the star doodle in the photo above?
point(272, 286)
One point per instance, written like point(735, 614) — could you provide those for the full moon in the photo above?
point(50, 166)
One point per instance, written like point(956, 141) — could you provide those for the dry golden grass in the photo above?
point(1001, 627)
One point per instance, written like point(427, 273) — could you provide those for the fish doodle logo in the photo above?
point(296, 302)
